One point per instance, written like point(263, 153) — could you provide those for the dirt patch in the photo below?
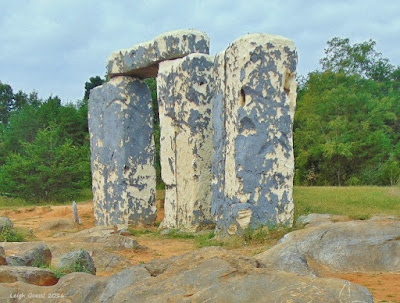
point(385, 287)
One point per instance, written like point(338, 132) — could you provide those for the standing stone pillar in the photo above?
point(184, 89)
point(253, 111)
point(122, 149)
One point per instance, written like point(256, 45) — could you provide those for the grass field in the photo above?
point(8, 202)
point(357, 202)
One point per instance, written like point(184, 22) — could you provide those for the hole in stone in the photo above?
point(242, 98)
point(201, 83)
point(289, 77)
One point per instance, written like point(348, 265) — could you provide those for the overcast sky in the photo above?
point(54, 46)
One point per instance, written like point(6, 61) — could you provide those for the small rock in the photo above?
point(319, 219)
point(124, 232)
point(77, 261)
point(5, 221)
point(15, 260)
point(121, 242)
point(37, 256)
point(108, 262)
point(27, 274)
point(115, 241)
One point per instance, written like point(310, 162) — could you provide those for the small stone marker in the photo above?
point(75, 212)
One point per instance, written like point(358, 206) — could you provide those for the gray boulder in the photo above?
point(37, 256)
point(207, 275)
point(142, 60)
point(77, 261)
point(27, 274)
point(109, 262)
point(5, 221)
point(217, 275)
point(353, 246)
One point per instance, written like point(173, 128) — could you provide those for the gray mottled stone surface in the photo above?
point(184, 90)
point(207, 275)
point(122, 153)
point(253, 110)
point(79, 260)
point(39, 255)
point(142, 60)
point(354, 246)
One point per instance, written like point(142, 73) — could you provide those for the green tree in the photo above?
point(49, 169)
point(6, 102)
point(346, 128)
point(152, 84)
point(356, 59)
point(92, 83)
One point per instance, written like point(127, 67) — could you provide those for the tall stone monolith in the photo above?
point(184, 89)
point(122, 153)
point(253, 111)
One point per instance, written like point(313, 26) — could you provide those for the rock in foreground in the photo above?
point(211, 274)
point(354, 246)
point(27, 274)
point(77, 261)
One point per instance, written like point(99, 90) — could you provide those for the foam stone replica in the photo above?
point(122, 150)
point(184, 90)
point(253, 111)
point(142, 60)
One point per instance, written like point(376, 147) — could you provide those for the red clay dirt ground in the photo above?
point(385, 287)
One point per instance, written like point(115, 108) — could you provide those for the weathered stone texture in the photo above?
point(122, 150)
point(253, 110)
point(142, 60)
point(355, 246)
point(184, 90)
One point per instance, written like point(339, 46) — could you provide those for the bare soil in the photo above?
point(385, 287)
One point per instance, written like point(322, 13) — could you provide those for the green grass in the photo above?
point(357, 202)
point(11, 234)
point(160, 194)
point(12, 203)
point(138, 232)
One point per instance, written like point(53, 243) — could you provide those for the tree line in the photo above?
point(347, 122)
point(346, 129)
point(44, 145)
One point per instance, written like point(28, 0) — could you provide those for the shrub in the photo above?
point(9, 234)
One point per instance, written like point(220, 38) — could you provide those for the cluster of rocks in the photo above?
point(226, 133)
point(292, 271)
point(32, 263)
